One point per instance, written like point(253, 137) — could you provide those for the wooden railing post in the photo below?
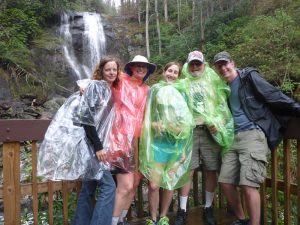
point(11, 183)
point(274, 186)
point(34, 183)
point(298, 181)
point(287, 181)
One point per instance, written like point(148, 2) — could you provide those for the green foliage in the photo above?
point(19, 27)
point(269, 43)
point(46, 41)
point(27, 215)
point(276, 37)
point(175, 44)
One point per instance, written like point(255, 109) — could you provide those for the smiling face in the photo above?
point(110, 72)
point(171, 73)
point(139, 70)
point(196, 68)
point(226, 69)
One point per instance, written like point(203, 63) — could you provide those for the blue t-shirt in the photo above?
point(241, 121)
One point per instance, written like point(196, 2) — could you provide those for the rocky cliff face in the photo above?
point(124, 39)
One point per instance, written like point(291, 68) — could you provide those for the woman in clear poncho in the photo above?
point(76, 143)
point(166, 141)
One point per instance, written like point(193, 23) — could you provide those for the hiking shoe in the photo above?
point(181, 217)
point(150, 222)
point(208, 216)
point(241, 222)
point(163, 221)
point(125, 222)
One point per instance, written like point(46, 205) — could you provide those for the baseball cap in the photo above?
point(222, 56)
point(195, 55)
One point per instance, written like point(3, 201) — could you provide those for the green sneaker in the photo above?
point(150, 222)
point(163, 221)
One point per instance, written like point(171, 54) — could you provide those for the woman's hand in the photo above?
point(81, 90)
point(101, 155)
point(157, 125)
point(182, 158)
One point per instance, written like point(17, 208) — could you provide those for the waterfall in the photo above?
point(83, 42)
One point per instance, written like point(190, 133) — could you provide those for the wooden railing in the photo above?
point(15, 132)
point(280, 180)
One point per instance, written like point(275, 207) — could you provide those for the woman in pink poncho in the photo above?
point(130, 101)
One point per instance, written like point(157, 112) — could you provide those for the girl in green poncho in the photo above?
point(166, 141)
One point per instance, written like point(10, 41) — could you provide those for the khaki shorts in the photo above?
point(205, 145)
point(245, 163)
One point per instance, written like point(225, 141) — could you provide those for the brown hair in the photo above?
point(171, 64)
point(98, 73)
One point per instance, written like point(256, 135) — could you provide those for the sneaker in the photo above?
point(181, 217)
point(208, 216)
point(125, 222)
point(241, 222)
point(163, 221)
point(150, 222)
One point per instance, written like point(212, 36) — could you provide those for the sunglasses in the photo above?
point(141, 65)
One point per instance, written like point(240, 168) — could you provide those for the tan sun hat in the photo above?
point(140, 59)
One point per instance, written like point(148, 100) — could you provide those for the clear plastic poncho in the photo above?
point(166, 140)
point(130, 101)
point(66, 153)
point(209, 94)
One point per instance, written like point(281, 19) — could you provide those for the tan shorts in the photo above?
point(245, 163)
point(205, 145)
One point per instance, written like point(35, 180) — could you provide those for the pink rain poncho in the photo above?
point(209, 94)
point(66, 153)
point(130, 100)
point(166, 140)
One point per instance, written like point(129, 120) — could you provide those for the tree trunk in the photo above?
point(193, 12)
point(221, 5)
point(139, 11)
point(147, 29)
point(158, 28)
point(122, 7)
point(178, 13)
point(212, 7)
point(166, 10)
point(3, 5)
point(201, 26)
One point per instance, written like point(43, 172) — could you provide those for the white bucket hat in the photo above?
point(140, 59)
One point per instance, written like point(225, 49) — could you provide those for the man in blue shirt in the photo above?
point(258, 109)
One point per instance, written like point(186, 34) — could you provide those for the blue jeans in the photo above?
point(101, 214)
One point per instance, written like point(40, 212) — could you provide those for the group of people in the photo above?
point(116, 124)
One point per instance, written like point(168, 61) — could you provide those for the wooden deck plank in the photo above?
point(195, 217)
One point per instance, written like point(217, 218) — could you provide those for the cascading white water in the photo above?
point(83, 61)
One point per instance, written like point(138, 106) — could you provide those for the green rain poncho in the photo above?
point(166, 140)
point(209, 94)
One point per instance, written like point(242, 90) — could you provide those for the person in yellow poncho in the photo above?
point(214, 130)
point(166, 141)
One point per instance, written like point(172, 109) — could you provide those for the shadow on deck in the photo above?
point(195, 217)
